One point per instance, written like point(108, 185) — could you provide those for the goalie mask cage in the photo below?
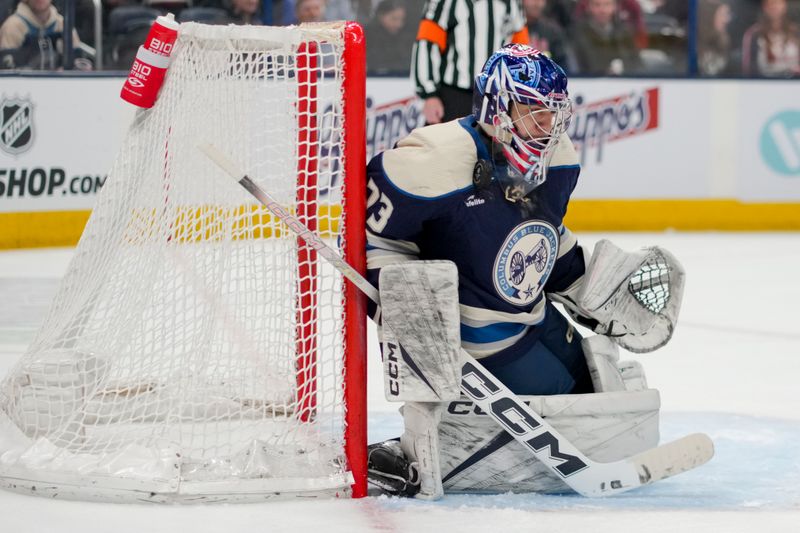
point(196, 350)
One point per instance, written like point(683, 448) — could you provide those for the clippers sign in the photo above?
point(596, 123)
point(388, 123)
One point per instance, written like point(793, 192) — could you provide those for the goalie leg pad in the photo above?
point(420, 443)
point(421, 333)
point(602, 356)
point(633, 375)
point(478, 457)
point(609, 374)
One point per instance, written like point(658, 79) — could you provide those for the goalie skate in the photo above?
point(390, 471)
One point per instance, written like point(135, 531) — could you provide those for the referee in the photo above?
point(454, 40)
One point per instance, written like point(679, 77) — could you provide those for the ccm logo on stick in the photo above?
point(515, 419)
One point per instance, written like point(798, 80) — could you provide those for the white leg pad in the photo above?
point(633, 375)
point(420, 443)
point(602, 356)
point(421, 331)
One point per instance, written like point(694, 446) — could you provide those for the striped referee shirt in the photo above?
point(456, 37)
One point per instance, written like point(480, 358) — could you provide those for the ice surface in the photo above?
point(732, 370)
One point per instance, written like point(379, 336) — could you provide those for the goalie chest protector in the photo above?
point(421, 197)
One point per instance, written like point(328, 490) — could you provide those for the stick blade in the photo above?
point(673, 458)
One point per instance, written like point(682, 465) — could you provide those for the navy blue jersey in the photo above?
point(422, 204)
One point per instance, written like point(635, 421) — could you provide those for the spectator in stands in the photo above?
point(628, 12)
point(713, 39)
point(388, 46)
point(332, 9)
point(244, 11)
point(364, 8)
point(546, 35)
point(562, 11)
point(283, 12)
point(744, 14)
point(313, 11)
point(32, 38)
point(309, 11)
point(771, 47)
point(604, 45)
point(414, 10)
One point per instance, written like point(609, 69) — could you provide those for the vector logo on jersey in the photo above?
point(16, 125)
point(525, 261)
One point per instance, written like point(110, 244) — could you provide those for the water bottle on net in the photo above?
point(150, 66)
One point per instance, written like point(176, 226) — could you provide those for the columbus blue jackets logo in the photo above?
point(525, 261)
point(16, 126)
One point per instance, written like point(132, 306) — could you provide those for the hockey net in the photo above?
point(196, 350)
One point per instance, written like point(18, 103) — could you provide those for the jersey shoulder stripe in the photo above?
point(565, 154)
point(433, 161)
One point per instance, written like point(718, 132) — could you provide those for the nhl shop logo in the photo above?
point(525, 261)
point(16, 125)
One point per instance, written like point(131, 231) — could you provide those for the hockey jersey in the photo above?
point(422, 204)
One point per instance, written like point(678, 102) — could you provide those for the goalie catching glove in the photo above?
point(633, 298)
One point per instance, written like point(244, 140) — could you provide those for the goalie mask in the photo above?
point(521, 99)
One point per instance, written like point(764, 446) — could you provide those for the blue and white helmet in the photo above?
point(523, 75)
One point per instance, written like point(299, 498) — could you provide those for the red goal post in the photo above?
point(355, 124)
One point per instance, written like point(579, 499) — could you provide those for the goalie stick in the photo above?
point(559, 455)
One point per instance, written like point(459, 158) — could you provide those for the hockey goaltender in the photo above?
point(467, 246)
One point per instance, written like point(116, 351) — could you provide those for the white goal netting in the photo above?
point(195, 348)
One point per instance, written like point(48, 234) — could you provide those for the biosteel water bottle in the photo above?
point(151, 63)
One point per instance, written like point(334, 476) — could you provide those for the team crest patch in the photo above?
point(525, 262)
point(16, 126)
